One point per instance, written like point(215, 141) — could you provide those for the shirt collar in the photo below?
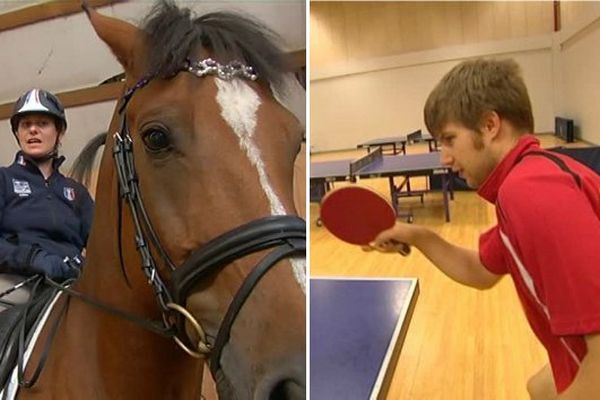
point(489, 189)
point(27, 162)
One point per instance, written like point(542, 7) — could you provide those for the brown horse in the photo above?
point(214, 252)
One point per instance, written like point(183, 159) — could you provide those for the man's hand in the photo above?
point(390, 240)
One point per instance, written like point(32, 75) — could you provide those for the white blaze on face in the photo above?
point(299, 266)
point(239, 105)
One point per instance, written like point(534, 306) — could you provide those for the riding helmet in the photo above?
point(38, 101)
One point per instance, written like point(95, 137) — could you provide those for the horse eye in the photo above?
point(156, 140)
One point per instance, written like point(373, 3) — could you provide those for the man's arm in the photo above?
point(541, 385)
point(460, 264)
point(587, 382)
point(585, 386)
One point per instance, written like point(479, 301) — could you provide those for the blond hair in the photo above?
point(475, 87)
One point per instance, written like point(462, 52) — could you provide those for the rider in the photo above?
point(45, 217)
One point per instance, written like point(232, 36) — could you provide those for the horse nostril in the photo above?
point(288, 390)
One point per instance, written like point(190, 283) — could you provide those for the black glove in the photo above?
point(55, 267)
point(75, 264)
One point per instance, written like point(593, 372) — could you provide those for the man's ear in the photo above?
point(491, 124)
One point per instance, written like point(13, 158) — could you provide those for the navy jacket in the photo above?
point(54, 215)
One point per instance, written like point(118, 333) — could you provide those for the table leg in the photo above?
point(445, 184)
point(393, 194)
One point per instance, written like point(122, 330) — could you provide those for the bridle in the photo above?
point(284, 235)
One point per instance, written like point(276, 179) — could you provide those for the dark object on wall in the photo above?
point(564, 129)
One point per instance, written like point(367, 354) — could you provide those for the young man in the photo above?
point(548, 210)
point(45, 217)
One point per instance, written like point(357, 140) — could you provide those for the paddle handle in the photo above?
point(402, 248)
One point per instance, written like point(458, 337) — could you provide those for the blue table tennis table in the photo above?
point(393, 145)
point(357, 329)
point(377, 165)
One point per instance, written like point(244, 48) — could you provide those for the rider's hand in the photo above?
point(53, 266)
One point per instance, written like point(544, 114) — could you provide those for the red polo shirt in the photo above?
point(548, 239)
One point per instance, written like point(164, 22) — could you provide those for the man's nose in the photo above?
point(445, 157)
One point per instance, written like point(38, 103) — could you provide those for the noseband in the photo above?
point(284, 235)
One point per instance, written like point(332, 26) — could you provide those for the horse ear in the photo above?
point(119, 35)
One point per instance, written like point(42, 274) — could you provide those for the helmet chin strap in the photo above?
point(48, 156)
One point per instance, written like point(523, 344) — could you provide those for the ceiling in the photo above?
point(9, 5)
point(64, 54)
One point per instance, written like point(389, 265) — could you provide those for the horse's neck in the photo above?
point(95, 356)
point(98, 355)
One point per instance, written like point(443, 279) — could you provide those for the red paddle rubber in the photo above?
point(356, 215)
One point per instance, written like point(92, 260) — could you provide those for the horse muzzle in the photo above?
point(281, 382)
point(284, 386)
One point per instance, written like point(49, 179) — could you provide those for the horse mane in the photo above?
point(227, 35)
point(174, 34)
point(81, 170)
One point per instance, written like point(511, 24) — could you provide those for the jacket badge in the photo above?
point(69, 193)
point(21, 188)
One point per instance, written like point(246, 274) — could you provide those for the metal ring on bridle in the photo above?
point(203, 348)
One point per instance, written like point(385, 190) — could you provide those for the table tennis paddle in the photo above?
point(356, 215)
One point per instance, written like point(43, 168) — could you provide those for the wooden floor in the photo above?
point(462, 344)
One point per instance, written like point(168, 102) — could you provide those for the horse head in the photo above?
point(199, 136)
